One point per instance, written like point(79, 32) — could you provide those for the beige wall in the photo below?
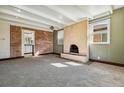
point(76, 34)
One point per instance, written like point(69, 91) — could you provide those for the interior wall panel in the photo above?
point(4, 40)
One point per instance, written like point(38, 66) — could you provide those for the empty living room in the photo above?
point(61, 46)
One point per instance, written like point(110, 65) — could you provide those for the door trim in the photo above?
point(25, 30)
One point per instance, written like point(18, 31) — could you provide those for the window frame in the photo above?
point(58, 43)
point(92, 33)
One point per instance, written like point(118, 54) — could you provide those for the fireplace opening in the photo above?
point(74, 49)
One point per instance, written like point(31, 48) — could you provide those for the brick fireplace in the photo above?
point(76, 42)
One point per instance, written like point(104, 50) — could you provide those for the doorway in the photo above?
point(28, 43)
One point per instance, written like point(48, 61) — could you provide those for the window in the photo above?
point(60, 37)
point(28, 38)
point(100, 32)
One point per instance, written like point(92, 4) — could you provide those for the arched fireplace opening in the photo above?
point(74, 49)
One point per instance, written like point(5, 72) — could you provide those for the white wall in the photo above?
point(4, 40)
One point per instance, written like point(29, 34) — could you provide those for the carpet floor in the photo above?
point(52, 71)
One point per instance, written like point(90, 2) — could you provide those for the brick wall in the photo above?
point(15, 41)
point(43, 42)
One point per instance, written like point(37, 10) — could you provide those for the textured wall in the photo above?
point(43, 42)
point(115, 51)
point(15, 41)
point(76, 34)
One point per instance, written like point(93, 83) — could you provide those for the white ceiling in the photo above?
point(42, 16)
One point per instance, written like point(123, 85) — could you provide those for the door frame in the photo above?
point(22, 39)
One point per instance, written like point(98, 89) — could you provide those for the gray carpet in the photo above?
point(39, 72)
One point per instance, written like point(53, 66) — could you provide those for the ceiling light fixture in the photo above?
point(51, 27)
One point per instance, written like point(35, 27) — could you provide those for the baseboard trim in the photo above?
point(56, 53)
point(45, 53)
point(28, 53)
point(21, 57)
point(11, 58)
point(106, 62)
